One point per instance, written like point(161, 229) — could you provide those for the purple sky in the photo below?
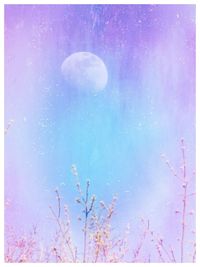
point(114, 138)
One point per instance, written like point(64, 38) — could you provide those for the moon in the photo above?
point(85, 71)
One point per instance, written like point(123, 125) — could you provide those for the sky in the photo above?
point(114, 137)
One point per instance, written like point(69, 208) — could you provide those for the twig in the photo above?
point(184, 196)
point(138, 249)
point(172, 253)
point(194, 254)
point(160, 241)
point(87, 211)
point(57, 218)
point(58, 198)
point(185, 184)
point(160, 253)
point(8, 126)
